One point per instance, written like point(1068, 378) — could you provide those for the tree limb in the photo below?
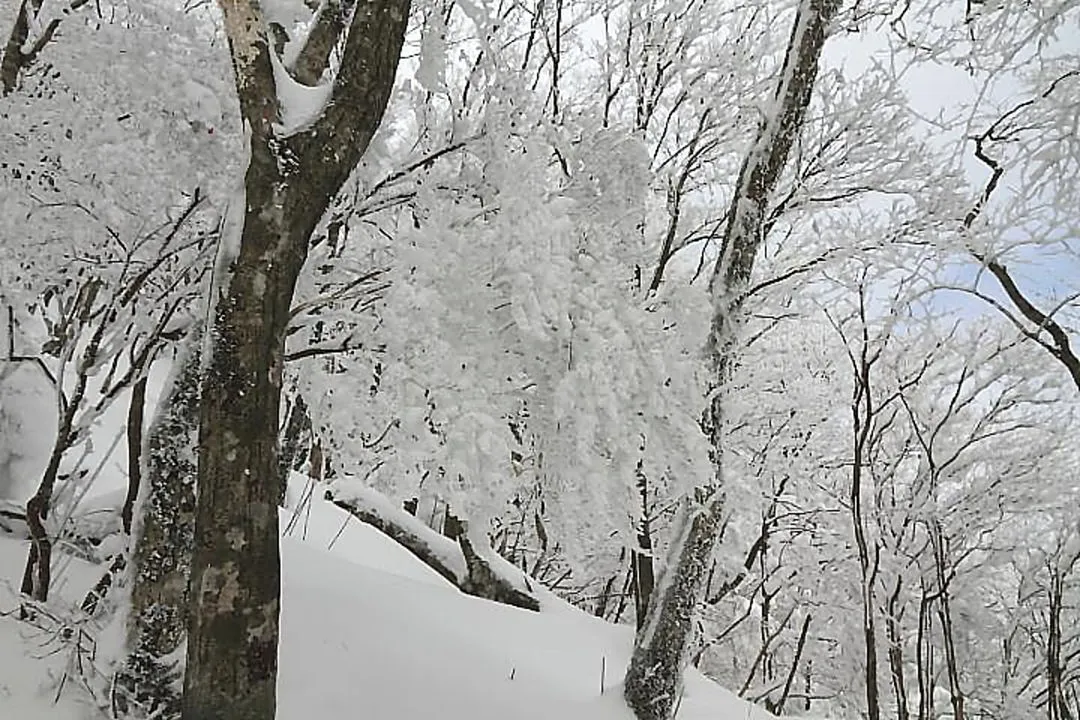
point(326, 31)
point(1061, 348)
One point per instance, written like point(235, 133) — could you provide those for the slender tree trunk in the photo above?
point(867, 565)
point(654, 678)
point(136, 407)
point(136, 410)
point(296, 441)
point(952, 668)
point(924, 657)
point(1056, 707)
point(37, 575)
point(800, 645)
point(641, 559)
point(896, 651)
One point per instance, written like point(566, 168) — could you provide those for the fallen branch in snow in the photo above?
point(485, 580)
point(427, 545)
point(470, 569)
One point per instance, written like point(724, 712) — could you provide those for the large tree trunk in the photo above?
point(162, 539)
point(654, 678)
point(232, 645)
point(235, 582)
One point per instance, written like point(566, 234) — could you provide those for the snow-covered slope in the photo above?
point(367, 631)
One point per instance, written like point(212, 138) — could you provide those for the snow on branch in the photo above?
point(467, 564)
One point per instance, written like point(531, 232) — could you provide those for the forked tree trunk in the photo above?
point(232, 647)
point(863, 411)
point(654, 679)
point(18, 52)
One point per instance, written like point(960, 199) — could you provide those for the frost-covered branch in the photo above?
point(1060, 347)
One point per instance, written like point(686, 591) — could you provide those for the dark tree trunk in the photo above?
point(136, 409)
point(13, 62)
point(37, 575)
point(952, 668)
point(924, 656)
point(641, 559)
point(295, 442)
point(896, 651)
point(482, 580)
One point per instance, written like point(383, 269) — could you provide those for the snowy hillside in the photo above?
point(368, 629)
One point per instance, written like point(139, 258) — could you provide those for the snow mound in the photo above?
point(367, 627)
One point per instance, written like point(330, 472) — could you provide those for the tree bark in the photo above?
point(654, 679)
point(232, 644)
point(162, 542)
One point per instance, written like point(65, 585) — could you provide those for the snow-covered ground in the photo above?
point(368, 630)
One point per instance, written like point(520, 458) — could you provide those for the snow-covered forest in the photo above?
point(540, 359)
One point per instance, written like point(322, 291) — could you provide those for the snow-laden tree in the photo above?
point(654, 679)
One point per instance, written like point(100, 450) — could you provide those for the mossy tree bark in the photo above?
point(291, 179)
point(162, 531)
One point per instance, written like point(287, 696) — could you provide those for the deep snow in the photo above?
point(369, 632)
